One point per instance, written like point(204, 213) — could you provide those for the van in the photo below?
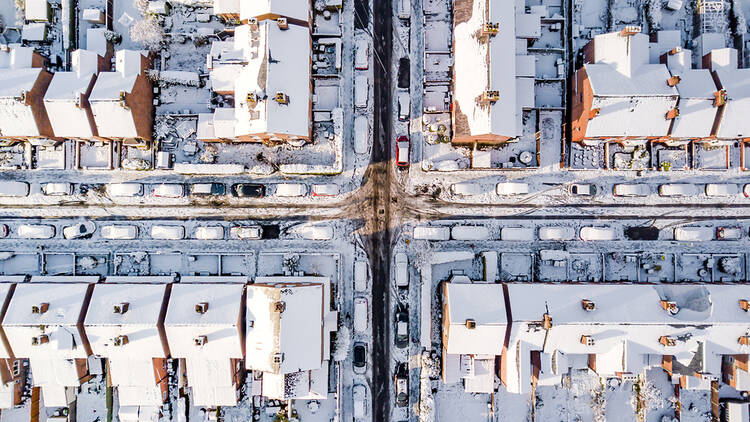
point(694, 234)
point(361, 54)
point(556, 233)
point(124, 189)
point(36, 231)
point(361, 91)
point(678, 189)
point(401, 271)
point(404, 104)
point(470, 233)
point(57, 189)
point(360, 276)
point(466, 188)
point(169, 190)
point(291, 189)
point(120, 232)
point(722, 189)
point(13, 188)
point(404, 9)
point(432, 233)
point(512, 188)
point(168, 232)
point(636, 189)
point(209, 232)
point(361, 134)
point(360, 315)
point(517, 234)
point(598, 233)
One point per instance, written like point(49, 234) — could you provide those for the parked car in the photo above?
point(466, 188)
point(402, 329)
point(168, 232)
point(124, 189)
point(246, 232)
point(359, 398)
point(722, 189)
point(248, 190)
point(598, 233)
point(361, 54)
point(291, 189)
point(36, 231)
point(694, 234)
point(57, 189)
point(361, 91)
point(678, 189)
point(582, 189)
point(404, 9)
point(512, 188)
point(360, 276)
point(80, 230)
point(4, 230)
point(432, 233)
point(13, 188)
point(746, 190)
point(327, 189)
point(401, 383)
point(209, 232)
point(404, 104)
point(124, 232)
point(729, 233)
point(313, 231)
point(361, 319)
point(556, 233)
point(402, 151)
point(361, 134)
point(635, 189)
point(359, 360)
point(402, 270)
point(169, 190)
point(207, 189)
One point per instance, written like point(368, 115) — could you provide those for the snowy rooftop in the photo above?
point(485, 305)
point(295, 9)
point(286, 322)
point(226, 6)
point(111, 116)
point(17, 58)
point(96, 41)
point(736, 82)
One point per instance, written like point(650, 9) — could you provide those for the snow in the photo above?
point(37, 10)
point(296, 9)
point(485, 305)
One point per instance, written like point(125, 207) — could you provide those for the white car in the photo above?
point(556, 233)
point(360, 276)
point(327, 189)
point(466, 188)
point(359, 398)
point(361, 319)
point(361, 134)
point(209, 232)
point(694, 234)
point(123, 232)
point(582, 189)
point(361, 91)
point(470, 233)
point(12, 188)
point(517, 234)
point(80, 230)
point(291, 189)
point(314, 231)
point(512, 188)
point(246, 232)
point(361, 54)
point(678, 189)
point(402, 270)
point(635, 189)
point(404, 104)
point(169, 190)
point(57, 189)
point(432, 233)
point(598, 233)
point(722, 189)
point(729, 233)
point(36, 231)
point(168, 232)
point(124, 189)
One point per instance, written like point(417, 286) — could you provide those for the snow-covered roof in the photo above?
point(53, 375)
point(96, 41)
point(284, 323)
point(226, 7)
point(296, 9)
point(58, 322)
point(485, 305)
point(36, 10)
point(135, 380)
point(278, 63)
point(736, 83)
point(36, 31)
point(66, 98)
point(485, 64)
point(113, 118)
point(139, 323)
point(696, 105)
point(17, 58)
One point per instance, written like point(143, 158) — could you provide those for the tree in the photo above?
point(147, 32)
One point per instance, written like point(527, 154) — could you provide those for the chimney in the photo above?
point(201, 308)
point(674, 80)
point(279, 306)
point(278, 358)
point(547, 322)
point(38, 341)
point(491, 96)
point(630, 30)
point(674, 51)
point(123, 100)
point(251, 98)
point(120, 341)
point(670, 307)
point(121, 307)
point(490, 29)
point(744, 305)
point(720, 98)
point(667, 341)
point(744, 340)
point(281, 98)
point(671, 114)
point(470, 324)
point(587, 340)
point(40, 308)
point(283, 24)
point(587, 305)
point(200, 341)
point(593, 113)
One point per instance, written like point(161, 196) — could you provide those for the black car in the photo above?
point(360, 358)
point(248, 190)
point(401, 384)
point(207, 189)
point(402, 329)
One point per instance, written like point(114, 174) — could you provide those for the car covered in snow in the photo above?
point(207, 189)
point(582, 189)
point(693, 234)
point(402, 329)
point(402, 151)
point(466, 188)
point(169, 190)
point(360, 276)
point(4, 230)
point(401, 384)
point(325, 189)
point(432, 233)
point(631, 189)
point(404, 104)
point(124, 189)
point(359, 399)
point(556, 233)
point(361, 91)
point(470, 233)
point(36, 231)
point(598, 233)
point(248, 190)
point(168, 232)
point(517, 234)
point(361, 54)
point(291, 189)
point(120, 232)
point(678, 189)
point(209, 232)
point(13, 188)
point(246, 232)
point(361, 317)
point(512, 188)
point(361, 134)
point(404, 9)
point(313, 231)
point(359, 358)
point(729, 233)
point(84, 229)
point(401, 269)
point(57, 189)
point(722, 189)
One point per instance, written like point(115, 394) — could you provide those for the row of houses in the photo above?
point(265, 68)
point(278, 327)
point(87, 102)
point(632, 88)
point(534, 334)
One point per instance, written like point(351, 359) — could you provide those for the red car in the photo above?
point(402, 151)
